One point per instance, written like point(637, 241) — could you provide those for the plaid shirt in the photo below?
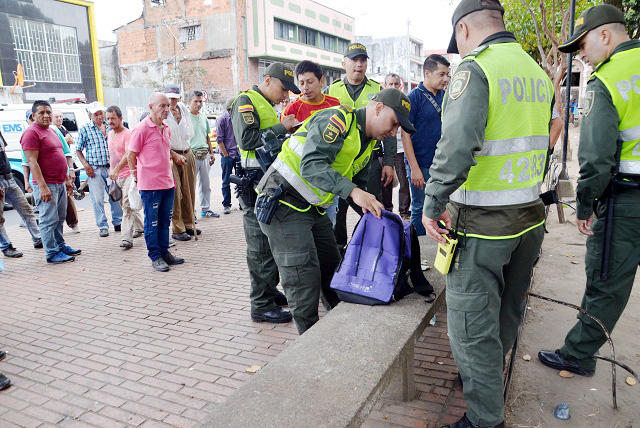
point(94, 144)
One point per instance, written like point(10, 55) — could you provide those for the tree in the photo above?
point(631, 9)
point(541, 26)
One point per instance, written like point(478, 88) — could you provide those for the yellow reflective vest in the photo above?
point(289, 159)
point(510, 166)
point(268, 118)
point(339, 90)
point(621, 76)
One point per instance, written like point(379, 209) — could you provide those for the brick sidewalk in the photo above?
point(105, 341)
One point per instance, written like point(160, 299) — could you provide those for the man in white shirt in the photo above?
point(184, 175)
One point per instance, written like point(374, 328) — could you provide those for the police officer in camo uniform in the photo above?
point(315, 165)
point(488, 168)
point(610, 129)
point(252, 114)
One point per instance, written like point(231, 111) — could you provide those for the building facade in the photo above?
point(54, 43)
point(401, 55)
point(224, 46)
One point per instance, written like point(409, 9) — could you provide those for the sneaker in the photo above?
point(209, 213)
point(60, 258)
point(170, 259)
point(190, 231)
point(181, 236)
point(126, 245)
point(104, 233)
point(117, 227)
point(11, 252)
point(70, 251)
point(4, 382)
point(37, 243)
point(160, 265)
point(137, 234)
point(227, 210)
point(75, 228)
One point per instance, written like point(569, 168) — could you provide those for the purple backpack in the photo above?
point(381, 257)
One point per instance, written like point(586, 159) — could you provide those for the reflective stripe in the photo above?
point(630, 134)
point(513, 145)
point(630, 167)
point(250, 162)
point(297, 183)
point(496, 197)
point(296, 145)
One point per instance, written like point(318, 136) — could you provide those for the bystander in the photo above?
point(149, 159)
point(51, 183)
point(118, 139)
point(92, 138)
point(229, 151)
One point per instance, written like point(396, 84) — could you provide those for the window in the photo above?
point(307, 36)
point(47, 52)
point(190, 33)
point(416, 48)
point(342, 45)
point(327, 42)
point(284, 30)
point(69, 121)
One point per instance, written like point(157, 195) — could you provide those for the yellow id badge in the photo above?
point(444, 256)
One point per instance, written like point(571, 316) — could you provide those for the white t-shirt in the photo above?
point(400, 146)
point(182, 133)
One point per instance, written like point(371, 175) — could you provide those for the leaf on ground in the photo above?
point(575, 262)
point(631, 381)
point(565, 374)
point(569, 255)
point(526, 357)
point(253, 369)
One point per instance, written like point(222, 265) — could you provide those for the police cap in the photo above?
point(465, 8)
point(396, 100)
point(355, 50)
point(589, 20)
point(284, 74)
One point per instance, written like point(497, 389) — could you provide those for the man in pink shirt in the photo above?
point(150, 158)
point(118, 142)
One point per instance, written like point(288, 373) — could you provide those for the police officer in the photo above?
point(356, 90)
point(315, 165)
point(489, 165)
point(252, 114)
point(611, 117)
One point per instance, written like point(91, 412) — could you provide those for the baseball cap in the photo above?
point(396, 100)
point(465, 8)
point(284, 74)
point(356, 49)
point(589, 20)
point(96, 107)
point(172, 91)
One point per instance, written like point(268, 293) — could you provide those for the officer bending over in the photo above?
point(253, 116)
point(316, 164)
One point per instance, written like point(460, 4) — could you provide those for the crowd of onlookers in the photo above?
point(129, 168)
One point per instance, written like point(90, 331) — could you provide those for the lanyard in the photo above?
point(433, 101)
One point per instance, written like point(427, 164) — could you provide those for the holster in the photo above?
point(266, 205)
point(245, 184)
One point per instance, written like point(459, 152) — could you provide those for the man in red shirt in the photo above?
point(49, 168)
point(310, 81)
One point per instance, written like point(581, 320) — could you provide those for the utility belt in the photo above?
point(266, 205)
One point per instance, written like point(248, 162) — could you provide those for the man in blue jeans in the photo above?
point(52, 184)
point(150, 157)
point(229, 150)
point(419, 148)
point(92, 138)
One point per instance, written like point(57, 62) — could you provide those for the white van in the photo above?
point(13, 123)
